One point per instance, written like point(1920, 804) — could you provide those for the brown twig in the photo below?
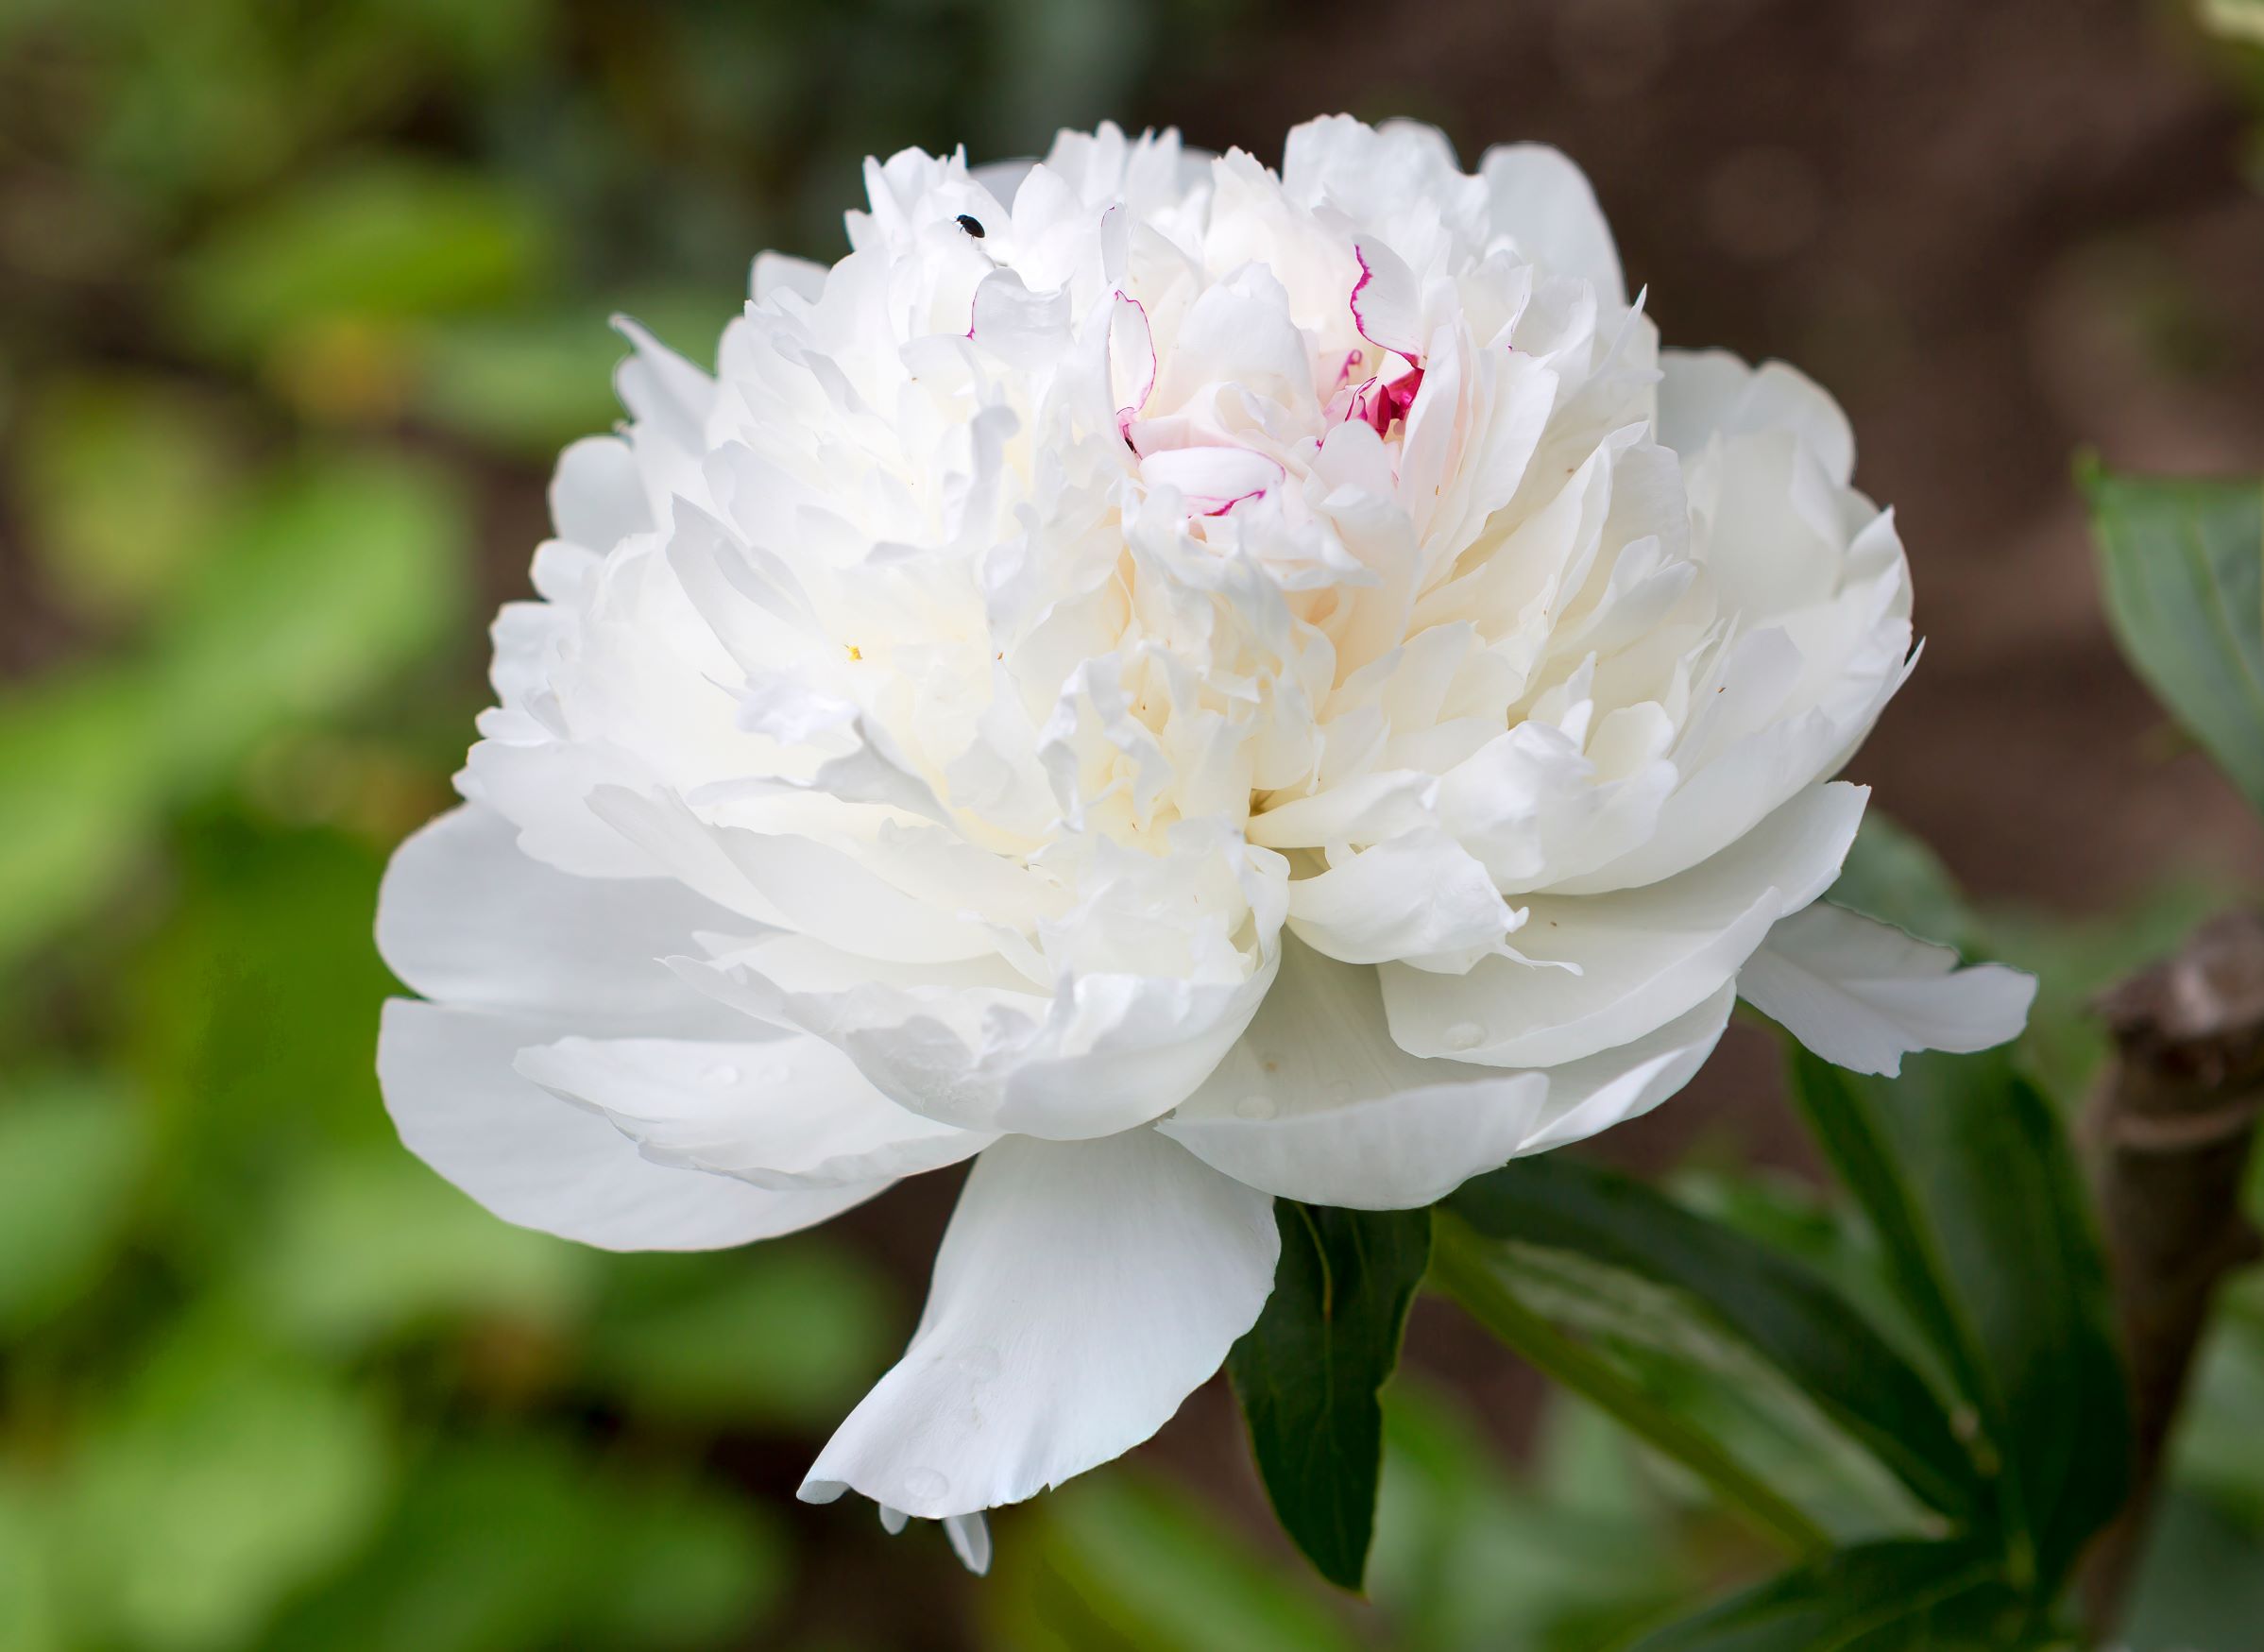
point(2168, 1136)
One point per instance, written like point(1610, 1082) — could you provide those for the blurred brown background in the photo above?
point(295, 302)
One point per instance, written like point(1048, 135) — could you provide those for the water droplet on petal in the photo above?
point(726, 1074)
point(1465, 1035)
point(923, 1485)
point(1255, 1107)
point(772, 1077)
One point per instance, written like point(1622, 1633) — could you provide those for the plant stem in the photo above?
point(1459, 1267)
point(2168, 1133)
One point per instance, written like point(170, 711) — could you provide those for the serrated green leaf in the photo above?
point(1308, 1372)
point(1878, 1598)
point(1965, 1173)
point(1787, 1315)
point(2183, 564)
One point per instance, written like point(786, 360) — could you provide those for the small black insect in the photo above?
point(971, 223)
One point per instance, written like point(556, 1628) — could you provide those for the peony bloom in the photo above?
point(1180, 684)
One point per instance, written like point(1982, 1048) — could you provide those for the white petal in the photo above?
point(970, 1536)
point(597, 497)
point(1385, 305)
point(542, 1163)
point(1422, 898)
point(1644, 956)
point(1211, 479)
point(1862, 994)
point(1543, 201)
point(778, 272)
point(466, 918)
point(786, 1113)
point(1599, 1091)
point(1318, 1104)
point(1705, 393)
point(794, 881)
point(1082, 1291)
point(975, 1046)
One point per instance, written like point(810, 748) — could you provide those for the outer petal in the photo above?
point(1705, 393)
point(1542, 200)
point(465, 917)
point(1317, 1104)
point(597, 496)
point(1602, 1090)
point(534, 1159)
point(1643, 956)
point(1082, 1291)
point(1863, 994)
point(791, 1112)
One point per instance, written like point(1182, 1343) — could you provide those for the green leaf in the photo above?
point(369, 1245)
point(82, 778)
point(320, 589)
point(383, 240)
point(31, 1614)
point(787, 1334)
point(2182, 562)
point(504, 1545)
point(1892, 874)
point(2218, 1449)
point(1786, 1314)
point(338, 575)
point(70, 1151)
point(223, 1479)
point(1878, 1598)
point(528, 383)
point(1480, 1273)
point(1566, 1559)
point(107, 551)
point(1121, 1562)
point(2239, 19)
point(1308, 1372)
point(2201, 1582)
point(1968, 1178)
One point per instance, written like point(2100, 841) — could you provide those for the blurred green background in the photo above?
point(297, 300)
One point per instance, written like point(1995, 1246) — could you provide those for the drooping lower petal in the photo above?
point(1082, 1291)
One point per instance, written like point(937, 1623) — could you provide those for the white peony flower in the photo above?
point(1190, 684)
